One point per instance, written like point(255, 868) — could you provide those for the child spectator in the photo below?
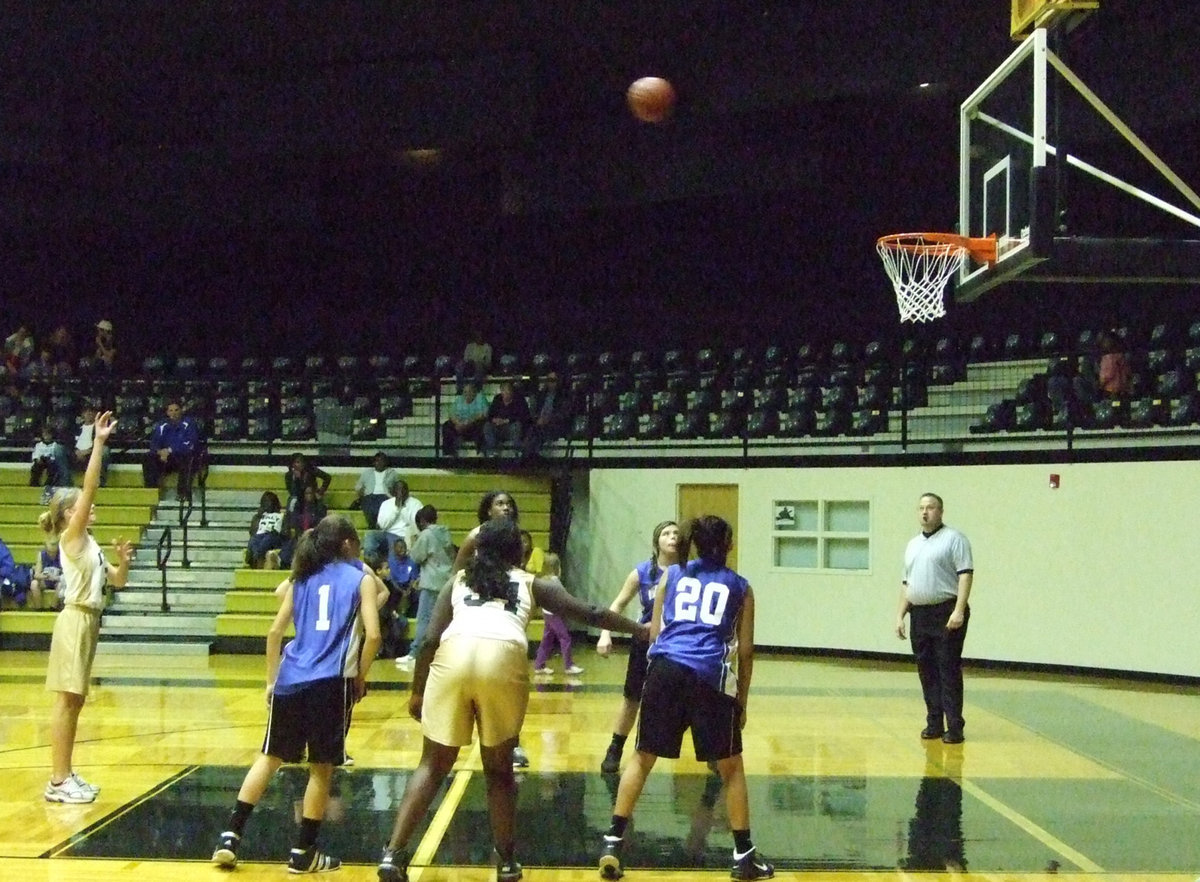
point(86, 438)
point(47, 573)
point(266, 532)
point(434, 553)
point(403, 568)
point(307, 514)
point(554, 630)
point(49, 460)
point(302, 475)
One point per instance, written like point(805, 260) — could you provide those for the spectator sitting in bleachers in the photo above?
point(475, 363)
point(307, 514)
point(105, 355)
point(16, 580)
point(507, 420)
point(551, 414)
point(18, 349)
point(301, 476)
point(47, 573)
point(175, 446)
point(396, 519)
point(373, 488)
point(44, 367)
point(86, 438)
point(268, 530)
point(62, 347)
point(49, 461)
point(467, 415)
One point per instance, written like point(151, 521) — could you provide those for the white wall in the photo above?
point(1101, 572)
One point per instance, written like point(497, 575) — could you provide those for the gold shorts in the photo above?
point(476, 680)
point(72, 650)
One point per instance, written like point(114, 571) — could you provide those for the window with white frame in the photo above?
point(822, 534)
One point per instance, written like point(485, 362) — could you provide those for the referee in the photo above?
point(937, 583)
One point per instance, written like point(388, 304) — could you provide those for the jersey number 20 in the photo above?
point(705, 603)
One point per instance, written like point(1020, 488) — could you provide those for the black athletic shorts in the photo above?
point(312, 719)
point(635, 672)
point(675, 699)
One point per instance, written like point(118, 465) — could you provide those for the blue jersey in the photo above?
point(325, 609)
point(648, 573)
point(701, 607)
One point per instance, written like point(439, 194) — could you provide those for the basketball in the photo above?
point(651, 99)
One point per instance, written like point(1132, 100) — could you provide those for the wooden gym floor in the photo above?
point(1084, 778)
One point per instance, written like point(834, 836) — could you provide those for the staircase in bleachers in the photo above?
point(215, 601)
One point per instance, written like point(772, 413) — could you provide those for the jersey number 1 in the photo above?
point(322, 623)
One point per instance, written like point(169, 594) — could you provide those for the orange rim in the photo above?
point(981, 250)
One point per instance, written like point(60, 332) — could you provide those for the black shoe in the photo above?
point(393, 866)
point(929, 733)
point(506, 870)
point(954, 736)
point(610, 859)
point(520, 759)
point(612, 761)
point(311, 861)
point(751, 866)
point(225, 855)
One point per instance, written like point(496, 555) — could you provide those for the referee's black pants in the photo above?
point(938, 651)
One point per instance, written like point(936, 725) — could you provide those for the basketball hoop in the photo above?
point(920, 264)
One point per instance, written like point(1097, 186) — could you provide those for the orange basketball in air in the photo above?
point(651, 99)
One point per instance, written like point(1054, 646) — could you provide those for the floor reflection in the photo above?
point(935, 833)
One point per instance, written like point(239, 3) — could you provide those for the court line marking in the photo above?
point(440, 823)
point(1039, 833)
point(76, 838)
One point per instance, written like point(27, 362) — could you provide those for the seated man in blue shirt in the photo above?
point(174, 445)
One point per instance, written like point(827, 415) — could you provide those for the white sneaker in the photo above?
point(405, 662)
point(69, 791)
point(543, 670)
point(574, 669)
point(95, 788)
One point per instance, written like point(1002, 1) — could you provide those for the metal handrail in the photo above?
point(185, 514)
point(162, 563)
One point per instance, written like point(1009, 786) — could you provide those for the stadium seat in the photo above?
point(1146, 412)
point(228, 428)
point(727, 424)
point(1000, 417)
point(315, 365)
point(186, 367)
point(297, 428)
point(260, 428)
point(443, 366)
point(283, 366)
point(694, 424)
point(656, 426)
point(1184, 411)
point(508, 364)
point(798, 422)
point(619, 426)
point(869, 421)
point(1031, 416)
point(762, 422)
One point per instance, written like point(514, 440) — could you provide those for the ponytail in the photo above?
point(54, 519)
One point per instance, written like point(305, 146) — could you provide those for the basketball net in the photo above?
point(920, 265)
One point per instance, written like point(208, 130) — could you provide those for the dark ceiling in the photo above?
point(283, 150)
